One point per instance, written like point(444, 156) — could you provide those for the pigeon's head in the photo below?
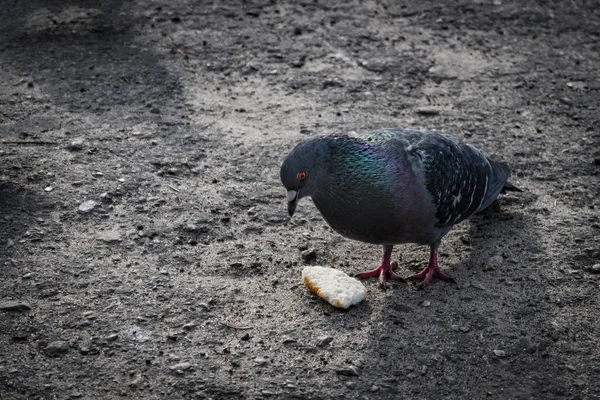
point(302, 172)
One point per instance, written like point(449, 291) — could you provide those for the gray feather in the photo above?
point(395, 185)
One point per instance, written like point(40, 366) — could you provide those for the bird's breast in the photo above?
point(376, 219)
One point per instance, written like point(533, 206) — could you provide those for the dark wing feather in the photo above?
point(497, 174)
point(460, 179)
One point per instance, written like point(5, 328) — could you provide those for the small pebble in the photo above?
point(76, 145)
point(179, 368)
point(324, 341)
point(48, 188)
point(261, 361)
point(426, 303)
point(105, 197)
point(87, 206)
point(288, 340)
point(595, 268)
point(427, 111)
point(347, 371)
point(189, 326)
point(15, 306)
point(500, 353)
point(112, 338)
point(57, 348)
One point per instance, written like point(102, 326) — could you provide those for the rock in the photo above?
point(426, 303)
point(246, 337)
point(57, 348)
point(174, 335)
point(595, 269)
point(500, 353)
point(15, 306)
point(324, 341)
point(427, 111)
point(111, 236)
point(189, 326)
point(76, 145)
point(112, 338)
point(89, 314)
point(261, 361)
point(105, 197)
point(135, 382)
point(350, 370)
point(577, 85)
point(250, 69)
point(287, 340)
point(181, 367)
point(493, 262)
point(566, 101)
point(87, 206)
point(309, 255)
point(48, 188)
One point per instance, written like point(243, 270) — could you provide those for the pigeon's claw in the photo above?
point(432, 269)
point(384, 271)
point(368, 274)
point(428, 273)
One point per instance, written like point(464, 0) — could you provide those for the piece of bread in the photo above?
point(334, 286)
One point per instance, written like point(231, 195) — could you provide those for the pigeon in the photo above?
point(393, 186)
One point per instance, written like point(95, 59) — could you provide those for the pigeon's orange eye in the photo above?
point(301, 175)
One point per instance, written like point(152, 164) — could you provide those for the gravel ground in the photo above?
point(145, 247)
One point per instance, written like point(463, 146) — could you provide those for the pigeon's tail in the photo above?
point(509, 187)
point(497, 182)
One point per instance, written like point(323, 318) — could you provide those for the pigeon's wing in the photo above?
point(460, 179)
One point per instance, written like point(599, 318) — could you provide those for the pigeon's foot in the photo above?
point(432, 269)
point(428, 273)
point(384, 271)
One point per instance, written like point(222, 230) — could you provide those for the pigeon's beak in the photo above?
point(292, 199)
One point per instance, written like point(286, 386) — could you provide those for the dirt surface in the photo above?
point(182, 277)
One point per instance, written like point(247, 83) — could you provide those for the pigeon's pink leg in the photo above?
point(385, 270)
point(432, 269)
